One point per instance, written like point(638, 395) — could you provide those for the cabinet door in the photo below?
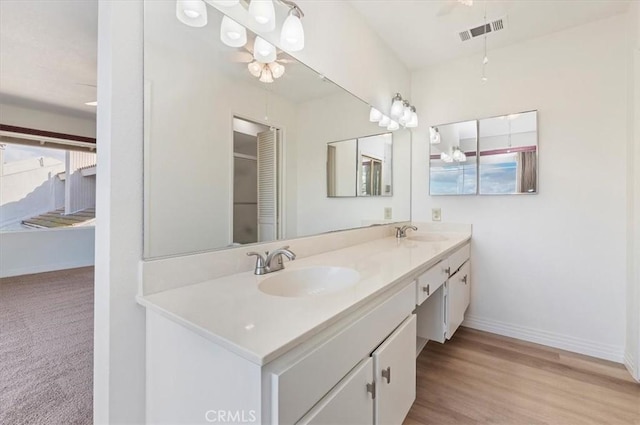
point(457, 299)
point(394, 365)
point(349, 403)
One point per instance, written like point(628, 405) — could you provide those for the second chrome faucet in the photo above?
point(271, 261)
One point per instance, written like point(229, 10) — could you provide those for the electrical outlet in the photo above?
point(436, 214)
point(388, 213)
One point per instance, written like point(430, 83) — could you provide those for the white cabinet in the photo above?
point(457, 299)
point(349, 403)
point(431, 280)
point(395, 374)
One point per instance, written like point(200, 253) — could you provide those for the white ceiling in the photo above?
point(421, 38)
point(48, 54)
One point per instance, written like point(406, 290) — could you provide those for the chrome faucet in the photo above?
point(401, 232)
point(272, 261)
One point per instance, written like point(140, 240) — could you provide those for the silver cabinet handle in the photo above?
point(464, 279)
point(386, 373)
point(426, 289)
point(447, 270)
point(371, 388)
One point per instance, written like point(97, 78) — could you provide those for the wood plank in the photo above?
point(481, 378)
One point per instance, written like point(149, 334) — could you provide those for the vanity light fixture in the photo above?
point(374, 115)
point(393, 126)
point(264, 13)
point(384, 121)
point(434, 135)
point(225, 3)
point(292, 35)
point(406, 113)
point(413, 122)
point(192, 12)
point(263, 51)
point(232, 33)
point(456, 155)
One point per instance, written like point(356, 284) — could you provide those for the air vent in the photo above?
point(477, 31)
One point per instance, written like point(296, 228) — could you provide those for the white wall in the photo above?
point(549, 267)
point(316, 212)
point(80, 191)
point(21, 116)
point(44, 250)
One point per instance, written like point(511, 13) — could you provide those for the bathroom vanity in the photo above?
point(229, 350)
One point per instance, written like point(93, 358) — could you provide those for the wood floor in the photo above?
point(481, 378)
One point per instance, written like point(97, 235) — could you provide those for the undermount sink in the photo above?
point(433, 237)
point(309, 282)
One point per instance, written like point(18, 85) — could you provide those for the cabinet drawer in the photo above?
point(458, 258)
point(431, 280)
point(302, 384)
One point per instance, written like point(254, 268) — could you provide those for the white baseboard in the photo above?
point(563, 342)
point(631, 366)
point(43, 268)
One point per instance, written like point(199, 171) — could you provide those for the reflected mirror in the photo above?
point(342, 168)
point(453, 159)
point(235, 149)
point(509, 154)
point(375, 159)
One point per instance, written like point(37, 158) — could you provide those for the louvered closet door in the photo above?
point(267, 186)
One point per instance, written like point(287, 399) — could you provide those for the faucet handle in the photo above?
point(260, 262)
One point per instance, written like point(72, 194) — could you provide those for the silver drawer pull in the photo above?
point(371, 388)
point(464, 279)
point(426, 289)
point(447, 270)
point(386, 373)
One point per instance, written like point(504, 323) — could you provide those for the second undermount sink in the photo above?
point(309, 281)
point(431, 237)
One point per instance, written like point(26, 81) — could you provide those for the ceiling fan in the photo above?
point(451, 5)
point(266, 72)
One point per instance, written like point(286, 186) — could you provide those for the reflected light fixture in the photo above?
point(455, 154)
point(374, 115)
point(393, 126)
point(232, 33)
point(266, 72)
point(263, 13)
point(413, 122)
point(397, 106)
point(384, 121)
point(192, 12)
point(225, 3)
point(406, 113)
point(434, 135)
point(263, 51)
point(292, 35)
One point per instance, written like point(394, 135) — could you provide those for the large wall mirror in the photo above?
point(509, 154)
point(360, 167)
point(236, 150)
point(453, 159)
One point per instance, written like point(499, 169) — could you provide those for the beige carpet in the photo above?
point(46, 348)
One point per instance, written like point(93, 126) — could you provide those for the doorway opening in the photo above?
point(257, 179)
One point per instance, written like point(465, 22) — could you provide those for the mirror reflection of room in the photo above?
point(453, 159)
point(376, 159)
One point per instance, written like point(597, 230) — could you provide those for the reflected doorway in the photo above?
point(256, 182)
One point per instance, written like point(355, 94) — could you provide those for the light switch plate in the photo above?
point(388, 213)
point(436, 214)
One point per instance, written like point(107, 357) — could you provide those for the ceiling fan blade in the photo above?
point(447, 8)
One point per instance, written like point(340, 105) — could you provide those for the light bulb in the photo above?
point(384, 121)
point(192, 12)
point(292, 35)
point(374, 115)
point(393, 126)
point(226, 3)
point(277, 70)
point(266, 76)
point(255, 68)
point(263, 51)
point(232, 33)
point(397, 106)
point(263, 13)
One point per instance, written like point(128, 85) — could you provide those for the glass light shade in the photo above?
point(263, 13)
point(266, 76)
point(277, 70)
point(232, 33)
point(384, 121)
point(255, 68)
point(406, 114)
point(434, 136)
point(396, 108)
point(263, 51)
point(446, 158)
point(413, 122)
point(393, 126)
point(374, 115)
point(225, 3)
point(192, 12)
point(292, 35)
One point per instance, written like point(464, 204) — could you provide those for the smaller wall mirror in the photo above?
point(453, 159)
point(509, 154)
point(360, 167)
point(375, 158)
point(341, 164)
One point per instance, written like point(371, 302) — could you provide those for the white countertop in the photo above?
point(232, 312)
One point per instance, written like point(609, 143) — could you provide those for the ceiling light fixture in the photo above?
point(485, 60)
point(232, 33)
point(266, 72)
point(192, 12)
